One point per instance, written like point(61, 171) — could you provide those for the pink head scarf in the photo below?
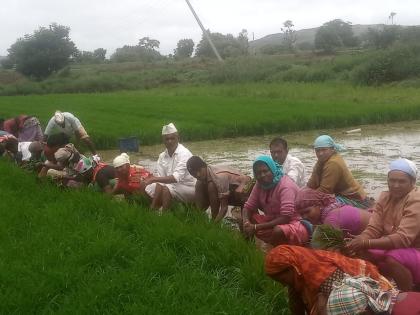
point(307, 197)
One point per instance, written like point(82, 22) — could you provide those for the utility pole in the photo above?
point(204, 31)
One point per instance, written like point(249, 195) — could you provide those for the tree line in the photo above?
point(50, 49)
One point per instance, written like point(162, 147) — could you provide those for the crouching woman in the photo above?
point(274, 195)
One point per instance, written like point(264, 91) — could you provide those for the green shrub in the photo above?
point(399, 63)
point(296, 74)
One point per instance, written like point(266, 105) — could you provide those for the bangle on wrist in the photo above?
point(255, 227)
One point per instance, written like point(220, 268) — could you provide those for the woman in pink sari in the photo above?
point(321, 208)
point(392, 238)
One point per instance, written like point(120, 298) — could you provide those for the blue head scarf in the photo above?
point(274, 167)
point(326, 141)
point(405, 166)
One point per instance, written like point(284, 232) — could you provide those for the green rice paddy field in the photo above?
point(217, 111)
point(79, 252)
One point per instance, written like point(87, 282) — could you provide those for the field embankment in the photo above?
point(397, 65)
point(218, 111)
point(71, 252)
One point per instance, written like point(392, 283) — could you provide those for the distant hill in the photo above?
point(304, 36)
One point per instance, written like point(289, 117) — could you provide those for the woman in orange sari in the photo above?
point(309, 275)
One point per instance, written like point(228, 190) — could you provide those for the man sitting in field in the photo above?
point(173, 180)
point(218, 187)
point(292, 166)
point(69, 125)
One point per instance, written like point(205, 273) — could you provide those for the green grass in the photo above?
point(70, 252)
point(217, 111)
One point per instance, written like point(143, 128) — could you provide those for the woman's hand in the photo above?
point(249, 228)
point(355, 245)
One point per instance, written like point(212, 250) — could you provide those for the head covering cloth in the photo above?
point(121, 160)
point(58, 117)
point(169, 129)
point(312, 267)
point(83, 165)
point(326, 141)
point(354, 294)
point(308, 197)
point(405, 166)
point(65, 153)
point(275, 168)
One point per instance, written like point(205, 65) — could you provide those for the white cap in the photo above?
point(121, 159)
point(169, 129)
point(58, 117)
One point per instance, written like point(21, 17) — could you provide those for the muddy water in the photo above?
point(368, 151)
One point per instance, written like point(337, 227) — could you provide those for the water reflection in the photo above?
point(368, 152)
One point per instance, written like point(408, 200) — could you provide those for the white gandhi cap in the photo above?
point(169, 129)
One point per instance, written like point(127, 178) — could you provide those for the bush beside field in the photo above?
point(72, 252)
point(219, 111)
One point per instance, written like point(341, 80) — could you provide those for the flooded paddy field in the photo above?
point(368, 153)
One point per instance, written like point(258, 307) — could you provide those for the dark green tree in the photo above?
point(184, 48)
point(243, 41)
point(145, 51)
point(289, 35)
point(149, 43)
point(99, 54)
point(384, 37)
point(88, 57)
point(45, 51)
point(335, 34)
point(227, 45)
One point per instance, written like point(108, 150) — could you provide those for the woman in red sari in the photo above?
point(309, 274)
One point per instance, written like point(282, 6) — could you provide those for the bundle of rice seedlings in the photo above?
point(327, 237)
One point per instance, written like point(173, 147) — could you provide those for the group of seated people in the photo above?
point(278, 207)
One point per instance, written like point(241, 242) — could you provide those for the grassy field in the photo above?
point(69, 252)
point(216, 111)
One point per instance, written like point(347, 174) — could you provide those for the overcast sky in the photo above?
point(111, 24)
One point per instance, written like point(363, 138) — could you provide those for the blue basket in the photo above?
point(130, 144)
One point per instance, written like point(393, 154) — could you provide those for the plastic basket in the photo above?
point(130, 144)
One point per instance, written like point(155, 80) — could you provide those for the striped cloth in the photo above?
point(355, 294)
point(361, 204)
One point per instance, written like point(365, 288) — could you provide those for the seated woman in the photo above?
point(320, 208)
point(274, 195)
point(218, 186)
point(392, 237)
point(332, 176)
point(23, 127)
point(311, 276)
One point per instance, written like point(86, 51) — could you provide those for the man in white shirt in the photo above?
point(173, 180)
point(292, 166)
point(69, 125)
